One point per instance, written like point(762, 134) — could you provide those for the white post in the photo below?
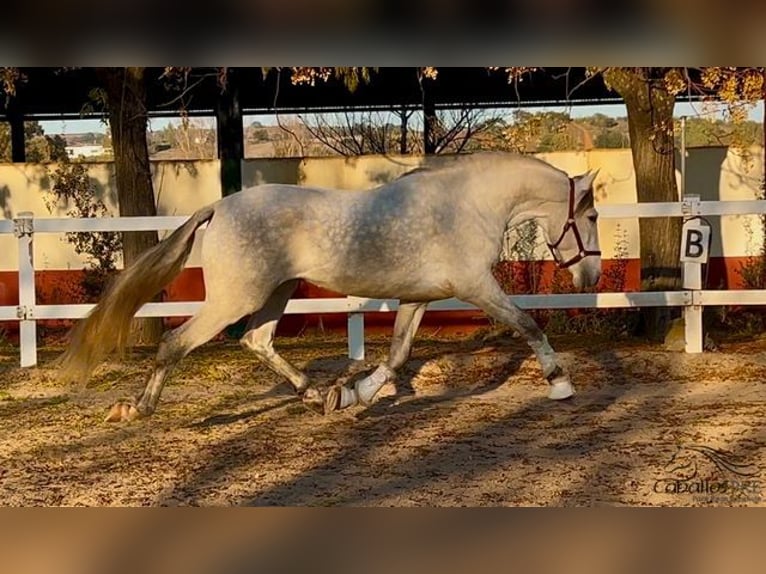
point(24, 230)
point(693, 313)
point(692, 279)
point(356, 336)
point(682, 191)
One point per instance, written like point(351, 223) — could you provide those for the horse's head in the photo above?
point(572, 232)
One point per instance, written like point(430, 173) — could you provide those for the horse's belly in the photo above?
point(376, 286)
point(375, 264)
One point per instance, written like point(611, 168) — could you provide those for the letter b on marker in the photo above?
point(695, 242)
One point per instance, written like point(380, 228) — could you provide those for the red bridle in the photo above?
point(570, 224)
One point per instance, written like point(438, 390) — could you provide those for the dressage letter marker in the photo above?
point(695, 242)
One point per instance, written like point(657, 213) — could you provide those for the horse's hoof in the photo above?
point(332, 400)
point(313, 399)
point(301, 391)
point(561, 390)
point(122, 411)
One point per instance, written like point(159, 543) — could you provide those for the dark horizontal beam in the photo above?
point(361, 108)
point(438, 105)
point(52, 93)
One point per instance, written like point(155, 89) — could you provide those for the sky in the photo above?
point(71, 126)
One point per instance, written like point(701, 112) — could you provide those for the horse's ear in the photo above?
point(586, 180)
point(584, 184)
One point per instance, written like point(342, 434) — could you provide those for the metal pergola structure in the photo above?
point(59, 92)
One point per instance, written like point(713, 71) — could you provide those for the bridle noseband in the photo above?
point(570, 224)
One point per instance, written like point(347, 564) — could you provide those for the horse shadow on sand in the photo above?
point(392, 419)
point(401, 396)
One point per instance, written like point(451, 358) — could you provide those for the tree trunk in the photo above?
point(429, 123)
point(126, 99)
point(650, 124)
point(405, 115)
point(18, 139)
point(231, 146)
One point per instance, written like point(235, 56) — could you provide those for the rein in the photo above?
point(570, 225)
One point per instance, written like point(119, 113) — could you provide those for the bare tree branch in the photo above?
point(351, 134)
point(456, 130)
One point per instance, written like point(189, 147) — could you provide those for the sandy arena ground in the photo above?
point(470, 425)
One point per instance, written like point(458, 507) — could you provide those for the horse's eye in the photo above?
point(593, 218)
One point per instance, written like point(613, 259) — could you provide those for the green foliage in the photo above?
point(258, 135)
point(38, 147)
point(603, 121)
point(97, 103)
point(191, 139)
point(611, 139)
point(5, 142)
point(72, 188)
point(525, 273)
point(609, 322)
point(524, 131)
point(521, 273)
point(539, 132)
point(716, 132)
point(558, 141)
point(753, 271)
point(549, 121)
point(747, 320)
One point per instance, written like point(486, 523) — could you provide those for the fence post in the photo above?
point(692, 279)
point(693, 313)
point(24, 230)
point(356, 336)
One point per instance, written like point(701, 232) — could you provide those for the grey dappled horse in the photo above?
point(431, 234)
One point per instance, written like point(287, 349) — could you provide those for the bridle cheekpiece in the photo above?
point(570, 225)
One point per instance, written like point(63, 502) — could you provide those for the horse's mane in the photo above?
point(419, 169)
point(475, 157)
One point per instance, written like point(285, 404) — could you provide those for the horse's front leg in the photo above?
point(496, 303)
point(558, 379)
point(407, 321)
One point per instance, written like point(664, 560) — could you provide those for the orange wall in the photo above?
point(60, 287)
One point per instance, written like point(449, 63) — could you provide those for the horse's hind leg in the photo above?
point(407, 321)
point(259, 336)
point(496, 303)
point(210, 320)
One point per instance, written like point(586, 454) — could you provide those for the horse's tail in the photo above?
point(107, 327)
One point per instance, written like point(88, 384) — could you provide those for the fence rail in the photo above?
point(692, 298)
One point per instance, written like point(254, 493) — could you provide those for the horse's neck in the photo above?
point(527, 194)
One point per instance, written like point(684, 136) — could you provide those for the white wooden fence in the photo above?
point(692, 298)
